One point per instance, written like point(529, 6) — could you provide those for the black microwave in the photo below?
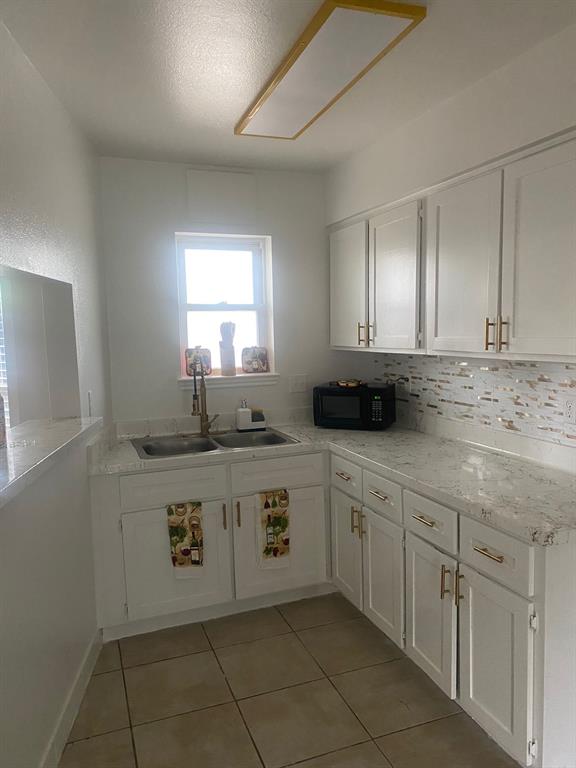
point(366, 406)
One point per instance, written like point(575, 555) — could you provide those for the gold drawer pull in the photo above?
point(487, 326)
point(360, 327)
point(444, 590)
point(489, 555)
point(457, 596)
point(353, 524)
point(500, 342)
point(429, 523)
point(224, 521)
point(238, 515)
point(380, 496)
point(344, 476)
point(370, 340)
point(361, 530)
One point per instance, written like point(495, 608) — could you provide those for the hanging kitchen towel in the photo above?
point(186, 537)
point(273, 528)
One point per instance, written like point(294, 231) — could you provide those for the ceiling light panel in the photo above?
point(341, 43)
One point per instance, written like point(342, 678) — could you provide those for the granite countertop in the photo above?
point(32, 448)
point(529, 500)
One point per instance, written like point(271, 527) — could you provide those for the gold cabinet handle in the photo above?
point(499, 327)
point(224, 520)
point(487, 326)
point(361, 530)
point(489, 555)
point(444, 590)
point(238, 515)
point(369, 340)
point(429, 523)
point(344, 476)
point(380, 496)
point(457, 596)
point(360, 327)
point(353, 524)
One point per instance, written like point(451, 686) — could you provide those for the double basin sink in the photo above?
point(177, 445)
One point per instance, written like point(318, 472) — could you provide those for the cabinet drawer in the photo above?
point(346, 476)
point(382, 496)
point(498, 555)
point(431, 521)
point(290, 472)
point(156, 489)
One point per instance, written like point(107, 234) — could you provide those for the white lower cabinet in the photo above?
point(346, 546)
point(431, 614)
point(383, 571)
point(151, 585)
point(306, 562)
point(496, 660)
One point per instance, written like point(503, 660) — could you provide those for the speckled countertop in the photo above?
point(31, 449)
point(529, 500)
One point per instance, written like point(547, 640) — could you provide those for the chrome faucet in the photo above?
point(205, 421)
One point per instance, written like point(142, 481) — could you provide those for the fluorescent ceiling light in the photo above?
point(340, 44)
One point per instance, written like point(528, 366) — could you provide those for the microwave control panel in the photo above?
point(376, 413)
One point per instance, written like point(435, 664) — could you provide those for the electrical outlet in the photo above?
point(570, 412)
point(298, 383)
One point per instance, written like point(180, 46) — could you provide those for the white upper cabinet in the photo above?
point(394, 278)
point(348, 288)
point(463, 258)
point(539, 253)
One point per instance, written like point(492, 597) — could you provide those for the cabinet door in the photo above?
point(539, 253)
point(306, 562)
point(463, 260)
point(151, 583)
point(348, 286)
point(431, 620)
point(394, 272)
point(346, 546)
point(383, 563)
point(496, 661)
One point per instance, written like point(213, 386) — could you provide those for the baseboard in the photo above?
point(53, 752)
point(213, 611)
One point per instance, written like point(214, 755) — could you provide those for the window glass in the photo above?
point(204, 331)
point(218, 276)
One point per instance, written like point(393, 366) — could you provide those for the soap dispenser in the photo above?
point(243, 417)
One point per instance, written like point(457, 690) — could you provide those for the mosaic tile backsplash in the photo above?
point(527, 398)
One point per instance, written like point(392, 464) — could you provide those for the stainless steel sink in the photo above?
point(251, 439)
point(172, 445)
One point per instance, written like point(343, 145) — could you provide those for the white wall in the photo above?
point(47, 226)
point(532, 97)
point(143, 205)
point(47, 205)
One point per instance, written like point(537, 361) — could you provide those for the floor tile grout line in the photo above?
point(97, 735)
point(254, 640)
point(362, 669)
point(128, 707)
point(343, 699)
point(418, 725)
point(235, 702)
point(325, 754)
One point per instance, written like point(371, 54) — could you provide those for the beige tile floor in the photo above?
point(310, 683)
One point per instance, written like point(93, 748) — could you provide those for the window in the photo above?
point(223, 279)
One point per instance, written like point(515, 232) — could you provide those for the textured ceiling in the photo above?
point(168, 79)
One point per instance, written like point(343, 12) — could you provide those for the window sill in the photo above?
point(241, 379)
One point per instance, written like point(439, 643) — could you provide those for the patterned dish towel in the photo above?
point(186, 537)
point(273, 528)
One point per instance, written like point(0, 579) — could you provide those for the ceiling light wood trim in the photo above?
point(402, 10)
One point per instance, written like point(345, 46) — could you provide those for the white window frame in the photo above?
point(260, 247)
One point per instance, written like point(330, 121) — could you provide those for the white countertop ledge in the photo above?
point(34, 446)
point(531, 501)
